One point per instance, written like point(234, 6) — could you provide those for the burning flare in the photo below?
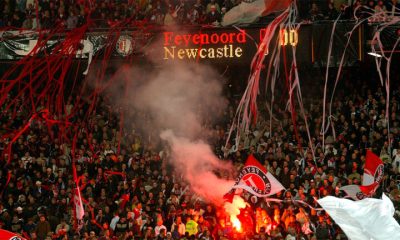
point(233, 209)
point(236, 223)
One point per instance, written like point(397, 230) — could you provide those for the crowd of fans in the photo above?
point(128, 186)
point(149, 200)
point(47, 14)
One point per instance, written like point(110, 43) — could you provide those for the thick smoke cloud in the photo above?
point(182, 100)
point(197, 163)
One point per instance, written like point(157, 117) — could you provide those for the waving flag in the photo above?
point(357, 192)
point(366, 219)
point(248, 11)
point(255, 179)
point(6, 235)
point(78, 207)
point(373, 169)
point(373, 174)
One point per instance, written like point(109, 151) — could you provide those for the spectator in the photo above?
point(28, 23)
point(104, 14)
point(193, 16)
point(315, 13)
point(199, 7)
point(46, 21)
point(213, 16)
point(121, 227)
point(331, 13)
point(162, 235)
point(181, 11)
point(62, 229)
point(191, 226)
point(322, 231)
point(159, 201)
point(178, 229)
point(370, 6)
point(380, 7)
point(42, 228)
point(160, 227)
point(72, 20)
point(16, 20)
point(212, 4)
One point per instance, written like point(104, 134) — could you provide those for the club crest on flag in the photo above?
point(256, 179)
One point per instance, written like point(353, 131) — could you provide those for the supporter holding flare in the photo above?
point(255, 179)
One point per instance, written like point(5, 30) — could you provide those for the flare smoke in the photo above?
point(183, 100)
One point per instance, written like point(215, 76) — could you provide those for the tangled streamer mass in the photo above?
point(59, 85)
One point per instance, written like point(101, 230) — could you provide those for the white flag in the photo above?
point(367, 219)
point(249, 11)
point(79, 211)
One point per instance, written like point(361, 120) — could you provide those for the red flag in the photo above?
point(228, 197)
point(373, 174)
point(370, 189)
point(373, 169)
point(6, 235)
point(255, 179)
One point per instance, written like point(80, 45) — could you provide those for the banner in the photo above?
point(223, 45)
point(16, 45)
